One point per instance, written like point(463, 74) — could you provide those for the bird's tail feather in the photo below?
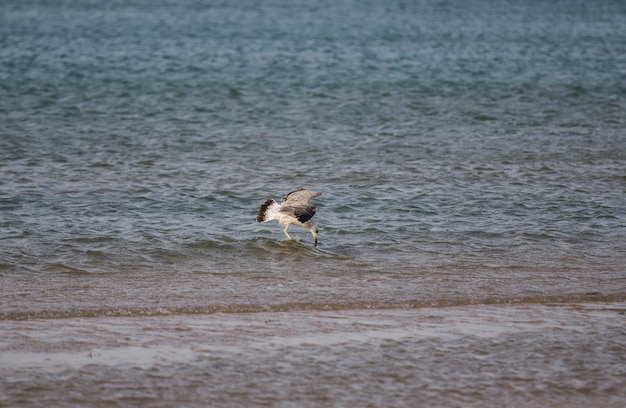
point(265, 213)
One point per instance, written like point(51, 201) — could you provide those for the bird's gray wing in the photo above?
point(300, 197)
point(302, 213)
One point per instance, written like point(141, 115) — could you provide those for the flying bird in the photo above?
point(295, 209)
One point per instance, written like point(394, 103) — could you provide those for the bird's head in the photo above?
point(312, 227)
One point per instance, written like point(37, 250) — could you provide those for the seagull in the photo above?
point(294, 209)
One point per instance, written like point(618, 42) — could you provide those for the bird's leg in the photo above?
point(286, 233)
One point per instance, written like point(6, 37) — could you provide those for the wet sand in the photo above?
point(561, 354)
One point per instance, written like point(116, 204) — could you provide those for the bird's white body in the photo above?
point(294, 210)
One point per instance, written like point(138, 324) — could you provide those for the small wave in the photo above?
point(263, 246)
point(63, 268)
point(592, 297)
point(93, 240)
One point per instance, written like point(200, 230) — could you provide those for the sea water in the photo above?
point(472, 163)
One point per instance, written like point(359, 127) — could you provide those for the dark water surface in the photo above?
point(470, 154)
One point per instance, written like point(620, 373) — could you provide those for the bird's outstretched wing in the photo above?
point(300, 197)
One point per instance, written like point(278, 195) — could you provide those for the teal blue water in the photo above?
point(467, 153)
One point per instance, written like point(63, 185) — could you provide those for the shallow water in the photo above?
point(470, 155)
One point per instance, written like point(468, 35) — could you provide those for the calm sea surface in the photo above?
point(472, 161)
